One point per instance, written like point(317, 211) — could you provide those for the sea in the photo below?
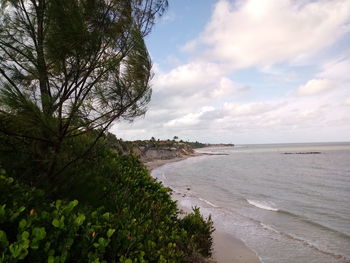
point(285, 204)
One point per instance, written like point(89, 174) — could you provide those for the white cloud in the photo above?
point(347, 102)
point(204, 107)
point(206, 98)
point(191, 119)
point(338, 69)
point(263, 32)
point(227, 87)
point(194, 85)
point(316, 86)
point(188, 77)
point(256, 108)
point(238, 122)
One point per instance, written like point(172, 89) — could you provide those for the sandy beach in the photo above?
point(229, 249)
point(226, 248)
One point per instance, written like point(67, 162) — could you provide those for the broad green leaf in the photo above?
point(19, 211)
point(80, 219)
point(25, 235)
point(72, 204)
point(62, 222)
point(39, 233)
point(23, 253)
point(34, 245)
point(14, 250)
point(102, 242)
point(106, 216)
point(56, 223)
point(58, 204)
point(110, 232)
point(22, 224)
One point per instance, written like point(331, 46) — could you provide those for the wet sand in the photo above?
point(228, 249)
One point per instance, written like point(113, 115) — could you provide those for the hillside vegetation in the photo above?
point(150, 150)
point(104, 208)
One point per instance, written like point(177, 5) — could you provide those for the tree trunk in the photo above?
point(42, 67)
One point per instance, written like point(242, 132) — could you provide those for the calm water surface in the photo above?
point(286, 207)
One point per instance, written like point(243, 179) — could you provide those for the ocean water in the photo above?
point(287, 208)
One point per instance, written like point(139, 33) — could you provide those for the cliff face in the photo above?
point(159, 153)
point(151, 153)
point(152, 150)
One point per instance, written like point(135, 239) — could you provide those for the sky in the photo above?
point(248, 71)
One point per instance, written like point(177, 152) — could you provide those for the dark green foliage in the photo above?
point(69, 232)
point(69, 67)
point(126, 203)
point(197, 144)
point(199, 231)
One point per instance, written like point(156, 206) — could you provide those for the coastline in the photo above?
point(226, 248)
point(151, 165)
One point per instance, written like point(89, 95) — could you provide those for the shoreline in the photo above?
point(151, 165)
point(226, 247)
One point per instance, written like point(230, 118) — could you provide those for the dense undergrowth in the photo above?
point(104, 207)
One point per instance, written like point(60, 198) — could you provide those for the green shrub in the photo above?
point(199, 231)
point(67, 232)
point(143, 227)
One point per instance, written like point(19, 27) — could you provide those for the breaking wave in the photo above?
point(209, 203)
point(262, 205)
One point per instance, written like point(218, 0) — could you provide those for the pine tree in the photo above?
point(70, 67)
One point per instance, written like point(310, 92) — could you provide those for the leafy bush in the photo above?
point(199, 231)
point(142, 227)
point(67, 232)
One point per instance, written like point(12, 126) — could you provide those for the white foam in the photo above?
point(262, 205)
point(268, 227)
point(164, 177)
point(209, 203)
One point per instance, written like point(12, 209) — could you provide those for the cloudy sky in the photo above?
point(249, 71)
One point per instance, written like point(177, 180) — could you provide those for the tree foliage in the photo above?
point(72, 66)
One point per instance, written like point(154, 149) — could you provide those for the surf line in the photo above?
point(209, 203)
point(262, 205)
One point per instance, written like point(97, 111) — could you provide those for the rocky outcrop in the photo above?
point(159, 154)
point(164, 153)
